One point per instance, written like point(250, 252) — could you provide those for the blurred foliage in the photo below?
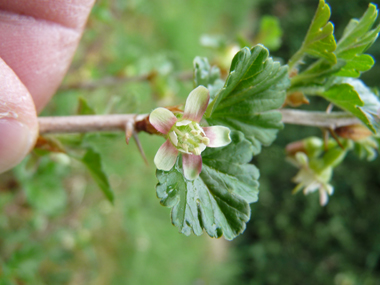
point(57, 228)
point(291, 239)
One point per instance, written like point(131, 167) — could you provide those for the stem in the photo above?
point(109, 123)
point(318, 119)
point(295, 59)
point(304, 75)
point(85, 124)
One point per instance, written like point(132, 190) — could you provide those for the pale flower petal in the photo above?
point(329, 189)
point(196, 104)
point(323, 197)
point(311, 181)
point(184, 151)
point(313, 186)
point(183, 123)
point(162, 119)
point(173, 138)
point(202, 147)
point(219, 136)
point(192, 165)
point(166, 156)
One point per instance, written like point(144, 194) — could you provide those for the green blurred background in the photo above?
point(57, 228)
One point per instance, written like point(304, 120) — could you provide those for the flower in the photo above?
point(310, 179)
point(184, 134)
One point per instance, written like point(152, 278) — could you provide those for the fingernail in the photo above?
point(16, 140)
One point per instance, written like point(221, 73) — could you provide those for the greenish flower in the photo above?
point(310, 178)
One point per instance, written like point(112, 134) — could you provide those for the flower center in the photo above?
point(188, 137)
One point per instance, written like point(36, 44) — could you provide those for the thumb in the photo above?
point(18, 119)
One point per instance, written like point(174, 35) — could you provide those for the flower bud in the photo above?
point(296, 99)
point(354, 132)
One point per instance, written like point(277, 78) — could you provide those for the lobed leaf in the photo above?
point(353, 96)
point(255, 86)
point(207, 76)
point(319, 41)
point(371, 106)
point(351, 61)
point(218, 200)
point(356, 39)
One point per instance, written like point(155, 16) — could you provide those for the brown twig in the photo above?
point(88, 123)
point(110, 123)
point(318, 119)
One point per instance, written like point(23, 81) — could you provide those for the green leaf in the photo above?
point(355, 65)
point(207, 76)
point(319, 41)
point(353, 96)
point(259, 129)
point(218, 200)
point(371, 107)
point(270, 32)
point(351, 61)
point(356, 39)
point(92, 161)
point(255, 86)
point(344, 96)
point(84, 108)
point(314, 79)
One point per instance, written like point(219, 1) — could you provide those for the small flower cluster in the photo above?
point(311, 180)
point(184, 134)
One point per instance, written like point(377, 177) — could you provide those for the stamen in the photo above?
point(185, 147)
point(196, 151)
point(197, 127)
point(205, 140)
point(191, 141)
point(178, 131)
